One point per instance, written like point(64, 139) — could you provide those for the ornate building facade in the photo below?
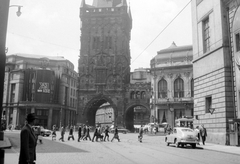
point(172, 84)
point(104, 64)
point(139, 90)
point(216, 31)
point(44, 85)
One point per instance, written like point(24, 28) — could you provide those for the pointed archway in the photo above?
point(93, 105)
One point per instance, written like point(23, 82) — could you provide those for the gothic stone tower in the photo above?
point(104, 64)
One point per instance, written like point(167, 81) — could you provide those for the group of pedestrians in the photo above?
point(100, 133)
point(201, 133)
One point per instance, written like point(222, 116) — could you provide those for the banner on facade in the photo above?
point(44, 80)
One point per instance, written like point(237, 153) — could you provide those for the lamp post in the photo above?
point(19, 9)
point(3, 26)
point(4, 9)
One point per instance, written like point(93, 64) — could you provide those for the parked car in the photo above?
point(182, 136)
point(120, 130)
point(43, 132)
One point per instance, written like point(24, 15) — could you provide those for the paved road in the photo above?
point(128, 151)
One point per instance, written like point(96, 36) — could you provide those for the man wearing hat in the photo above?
point(28, 142)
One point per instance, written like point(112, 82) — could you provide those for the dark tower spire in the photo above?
point(83, 4)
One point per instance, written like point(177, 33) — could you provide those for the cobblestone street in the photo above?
point(128, 151)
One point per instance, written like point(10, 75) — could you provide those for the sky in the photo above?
point(52, 28)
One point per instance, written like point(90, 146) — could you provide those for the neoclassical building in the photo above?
point(216, 31)
point(172, 84)
point(44, 85)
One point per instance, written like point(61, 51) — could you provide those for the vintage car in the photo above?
point(120, 130)
point(43, 132)
point(182, 136)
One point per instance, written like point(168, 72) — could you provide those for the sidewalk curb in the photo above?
point(221, 151)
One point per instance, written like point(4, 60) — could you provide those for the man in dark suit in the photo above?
point(28, 142)
point(79, 133)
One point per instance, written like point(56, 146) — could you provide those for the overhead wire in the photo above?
point(44, 41)
point(162, 31)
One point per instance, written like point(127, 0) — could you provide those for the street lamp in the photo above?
point(19, 9)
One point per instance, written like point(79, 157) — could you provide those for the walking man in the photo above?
point(115, 136)
point(71, 134)
point(84, 131)
point(140, 136)
point(106, 131)
point(28, 142)
point(203, 134)
point(96, 134)
point(79, 133)
point(54, 135)
point(87, 133)
point(62, 134)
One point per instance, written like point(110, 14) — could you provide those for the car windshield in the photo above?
point(187, 130)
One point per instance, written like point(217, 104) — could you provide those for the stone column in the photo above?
point(49, 124)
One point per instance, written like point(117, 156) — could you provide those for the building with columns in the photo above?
point(172, 84)
point(44, 85)
point(216, 31)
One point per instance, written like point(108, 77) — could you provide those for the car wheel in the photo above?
point(166, 141)
point(193, 146)
point(176, 143)
point(182, 145)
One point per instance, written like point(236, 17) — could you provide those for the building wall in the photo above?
point(212, 70)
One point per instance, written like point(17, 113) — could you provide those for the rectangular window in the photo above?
point(206, 35)
point(208, 104)
point(237, 42)
point(12, 99)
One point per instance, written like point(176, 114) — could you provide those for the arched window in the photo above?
point(143, 95)
point(178, 88)
point(192, 88)
point(138, 95)
point(132, 95)
point(162, 89)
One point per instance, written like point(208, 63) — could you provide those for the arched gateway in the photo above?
point(104, 64)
